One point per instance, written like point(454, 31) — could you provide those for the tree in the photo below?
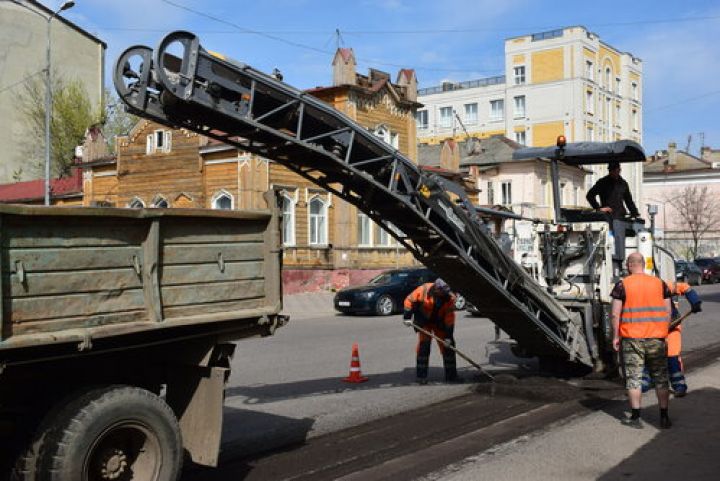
point(699, 212)
point(72, 114)
point(117, 121)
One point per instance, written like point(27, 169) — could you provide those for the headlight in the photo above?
point(367, 294)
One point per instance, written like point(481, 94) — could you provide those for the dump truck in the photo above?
point(116, 334)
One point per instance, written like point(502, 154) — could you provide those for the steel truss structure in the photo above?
point(182, 85)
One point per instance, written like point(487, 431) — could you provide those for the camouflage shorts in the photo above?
point(640, 353)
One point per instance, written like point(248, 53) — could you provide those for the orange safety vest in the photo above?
point(674, 339)
point(644, 314)
point(420, 296)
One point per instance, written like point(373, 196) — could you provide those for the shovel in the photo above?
point(450, 346)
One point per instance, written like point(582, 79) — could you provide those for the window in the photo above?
point(318, 222)
point(382, 132)
point(520, 137)
point(471, 113)
point(497, 108)
point(617, 115)
point(364, 230)
point(158, 141)
point(394, 140)
point(490, 193)
point(617, 85)
point(634, 91)
point(519, 75)
point(608, 78)
point(421, 117)
point(161, 203)
point(222, 200)
point(136, 203)
point(589, 71)
point(288, 220)
point(590, 134)
point(608, 112)
point(519, 106)
point(562, 188)
point(507, 192)
point(589, 102)
point(384, 239)
point(635, 120)
point(446, 117)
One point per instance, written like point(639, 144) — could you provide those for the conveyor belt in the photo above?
point(429, 215)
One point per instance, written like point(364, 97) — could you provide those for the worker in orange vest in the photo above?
point(674, 342)
point(433, 306)
point(640, 319)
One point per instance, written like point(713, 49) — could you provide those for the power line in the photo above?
point(684, 101)
point(411, 31)
point(309, 47)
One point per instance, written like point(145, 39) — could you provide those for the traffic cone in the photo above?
point(355, 374)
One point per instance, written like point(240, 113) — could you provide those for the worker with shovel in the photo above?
point(433, 306)
point(674, 340)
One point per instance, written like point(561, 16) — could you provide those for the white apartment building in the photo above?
point(562, 82)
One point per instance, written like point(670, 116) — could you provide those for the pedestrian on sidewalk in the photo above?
point(640, 319)
point(433, 306)
point(674, 342)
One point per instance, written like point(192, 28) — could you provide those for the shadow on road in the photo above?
point(689, 450)
point(261, 433)
point(334, 385)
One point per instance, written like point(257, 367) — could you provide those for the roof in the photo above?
point(34, 190)
point(585, 153)
point(67, 22)
point(684, 162)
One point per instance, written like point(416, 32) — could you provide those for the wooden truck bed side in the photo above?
point(77, 274)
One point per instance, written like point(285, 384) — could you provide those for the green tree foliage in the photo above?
point(72, 114)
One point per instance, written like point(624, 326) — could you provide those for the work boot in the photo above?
point(632, 422)
point(665, 423)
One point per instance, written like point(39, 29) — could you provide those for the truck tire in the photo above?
point(114, 432)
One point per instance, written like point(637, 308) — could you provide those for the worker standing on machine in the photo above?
point(674, 342)
point(614, 194)
point(433, 306)
point(640, 321)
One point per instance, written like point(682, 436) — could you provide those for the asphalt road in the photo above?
point(289, 415)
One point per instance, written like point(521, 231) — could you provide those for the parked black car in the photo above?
point(384, 294)
point(688, 272)
point(710, 269)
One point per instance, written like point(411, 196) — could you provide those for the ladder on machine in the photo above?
point(229, 101)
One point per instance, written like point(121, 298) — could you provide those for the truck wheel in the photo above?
point(115, 432)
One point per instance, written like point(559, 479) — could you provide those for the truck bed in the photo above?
point(73, 275)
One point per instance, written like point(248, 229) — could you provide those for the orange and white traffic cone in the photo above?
point(355, 374)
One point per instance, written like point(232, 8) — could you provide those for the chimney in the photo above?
point(344, 67)
point(406, 78)
point(672, 154)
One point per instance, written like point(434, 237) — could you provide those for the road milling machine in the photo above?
point(550, 293)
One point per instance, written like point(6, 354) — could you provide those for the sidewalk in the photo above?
point(308, 305)
point(598, 447)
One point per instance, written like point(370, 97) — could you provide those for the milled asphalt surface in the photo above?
point(597, 446)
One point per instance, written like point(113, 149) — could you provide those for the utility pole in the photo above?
point(48, 99)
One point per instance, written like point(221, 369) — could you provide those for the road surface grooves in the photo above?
point(418, 442)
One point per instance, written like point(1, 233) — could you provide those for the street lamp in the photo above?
point(48, 99)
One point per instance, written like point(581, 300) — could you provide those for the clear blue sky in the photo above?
point(442, 40)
